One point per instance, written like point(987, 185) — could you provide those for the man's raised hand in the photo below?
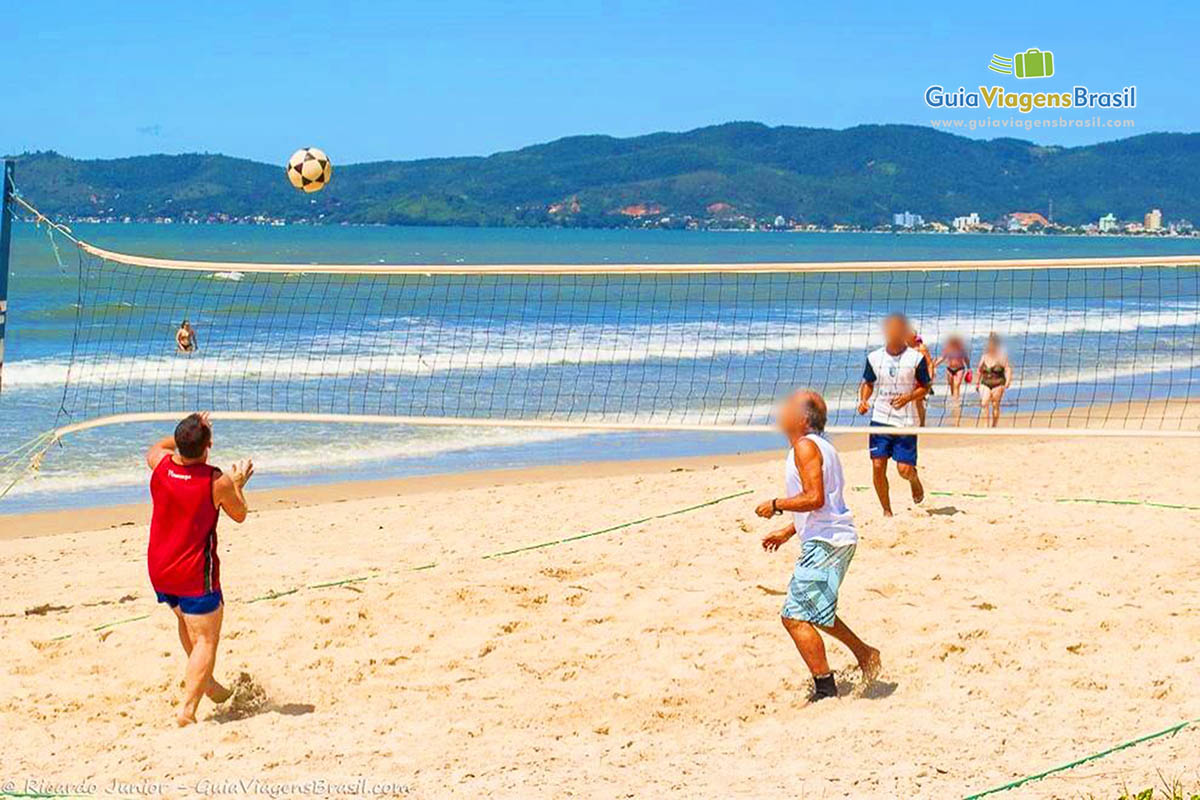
point(241, 472)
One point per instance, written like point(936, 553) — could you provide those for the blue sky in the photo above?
point(370, 81)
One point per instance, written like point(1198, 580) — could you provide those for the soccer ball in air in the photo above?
point(309, 169)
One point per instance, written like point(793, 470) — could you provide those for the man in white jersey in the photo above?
point(896, 376)
point(814, 481)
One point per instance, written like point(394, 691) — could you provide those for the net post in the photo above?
point(6, 212)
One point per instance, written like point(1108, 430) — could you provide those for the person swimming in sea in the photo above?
point(995, 377)
point(185, 338)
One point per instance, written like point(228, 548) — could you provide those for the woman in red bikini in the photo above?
point(958, 362)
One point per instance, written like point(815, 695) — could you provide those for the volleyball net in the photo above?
point(1109, 346)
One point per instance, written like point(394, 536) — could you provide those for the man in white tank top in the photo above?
point(815, 485)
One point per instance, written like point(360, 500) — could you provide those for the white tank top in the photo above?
point(833, 521)
point(892, 377)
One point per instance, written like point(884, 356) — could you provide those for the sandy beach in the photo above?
point(1022, 626)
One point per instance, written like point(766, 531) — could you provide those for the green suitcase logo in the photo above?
point(1033, 63)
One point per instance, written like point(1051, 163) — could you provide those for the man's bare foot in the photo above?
point(918, 494)
point(887, 512)
point(185, 718)
point(870, 666)
point(218, 693)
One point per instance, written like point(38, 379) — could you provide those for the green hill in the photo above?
point(859, 175)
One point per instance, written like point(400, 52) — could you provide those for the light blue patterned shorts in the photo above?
point(813, 591)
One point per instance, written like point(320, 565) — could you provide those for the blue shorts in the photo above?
point(196, 605)
point(813, 591)
point(901, 449)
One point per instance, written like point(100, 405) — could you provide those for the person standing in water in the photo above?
point(958, 363)
point(995, 377)
point(185, 338)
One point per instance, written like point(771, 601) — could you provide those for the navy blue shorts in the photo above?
point(901, 449)
point(196, 605)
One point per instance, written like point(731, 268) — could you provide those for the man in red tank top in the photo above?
point(188, 495)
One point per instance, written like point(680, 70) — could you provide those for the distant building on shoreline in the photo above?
point(907, 219)
point(968, 223)
point(1153, 220)
point(1107, 223)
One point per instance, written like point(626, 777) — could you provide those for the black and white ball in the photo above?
point(309, 169)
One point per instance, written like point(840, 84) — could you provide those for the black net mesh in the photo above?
point(1089, 348)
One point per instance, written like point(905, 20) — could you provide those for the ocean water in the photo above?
point(694, 349)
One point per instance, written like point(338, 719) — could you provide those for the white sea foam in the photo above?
point(328, 449)
point(1105, 373)
point(421, 347)
point(74, 471)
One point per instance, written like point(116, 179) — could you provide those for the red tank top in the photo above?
point(182, 557)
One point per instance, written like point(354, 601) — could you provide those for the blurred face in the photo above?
point(993, 345)
point(785, 416)
point(895, 333)
point(792, 416)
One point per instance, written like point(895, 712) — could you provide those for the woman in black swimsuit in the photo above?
point(995, 376)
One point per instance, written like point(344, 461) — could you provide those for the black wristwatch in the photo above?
point(775, 506)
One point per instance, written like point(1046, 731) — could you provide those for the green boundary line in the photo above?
point(629, 524)
point(1132, 742)
point(1089, 500)
point(273, 595)
point(589, 534)
point(1079, 761)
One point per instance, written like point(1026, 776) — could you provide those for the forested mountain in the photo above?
point(860, 175)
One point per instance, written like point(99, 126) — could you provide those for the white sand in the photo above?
point(1017, 633)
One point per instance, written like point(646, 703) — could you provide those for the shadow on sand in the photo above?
point(878, 690)
point(944, 511)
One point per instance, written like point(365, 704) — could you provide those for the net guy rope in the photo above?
point(1106, 346)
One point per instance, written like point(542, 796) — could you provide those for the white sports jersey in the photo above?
point(893, 376)
point(833, 521)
